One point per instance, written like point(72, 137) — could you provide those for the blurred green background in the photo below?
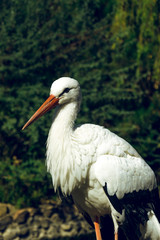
point(111, 47)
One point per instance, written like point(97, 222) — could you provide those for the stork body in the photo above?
point(102, 172)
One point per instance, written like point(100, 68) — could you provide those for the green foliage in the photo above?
point(21, 183)
point(111, 47)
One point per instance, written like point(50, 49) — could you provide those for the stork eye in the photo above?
point(66, 90)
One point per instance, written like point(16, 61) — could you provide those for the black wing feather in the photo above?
point(136, 206)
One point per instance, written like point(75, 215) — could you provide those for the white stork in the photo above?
point(102, 172)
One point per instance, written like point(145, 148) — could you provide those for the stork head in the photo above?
point(64, 90)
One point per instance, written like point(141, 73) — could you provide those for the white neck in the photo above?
point(59, 146)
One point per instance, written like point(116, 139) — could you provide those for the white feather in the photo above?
point(82, 159)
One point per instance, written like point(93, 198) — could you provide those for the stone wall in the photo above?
point(49, 220)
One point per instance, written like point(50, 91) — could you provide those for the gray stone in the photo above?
point(3, 209)
point(56, 218)
point(34, 234)
point(4, 222)
point(53, 232)
point(1, 236)
point(45, 223)
point(42, 234)
point(66, 227)
point(21, 216)
point(68, 234)
point(47, 210)
point(23, 231)
point(67, 230)
point(35, 225)
point(10, 234)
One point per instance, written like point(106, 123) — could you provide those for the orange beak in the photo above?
point(50, 103)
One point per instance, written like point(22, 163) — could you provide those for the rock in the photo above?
point(71, 233)
point(46, 210)
point(11, 209)
point(34, 234)
point(21, 216)
point(36, 225)
point(4, 222)
point(32, 211)
point(45, 223)
point(3, 209)
point(10, 234)
point(42, 235)
point(23, 231)
point(56, 218)
point(53, 232)
point(1, 236)
point(86, 226)
point(66, 227)
point(68, 230)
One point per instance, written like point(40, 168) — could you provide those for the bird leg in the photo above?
point(97, 229)
point(115, 228)
point(116, 236)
